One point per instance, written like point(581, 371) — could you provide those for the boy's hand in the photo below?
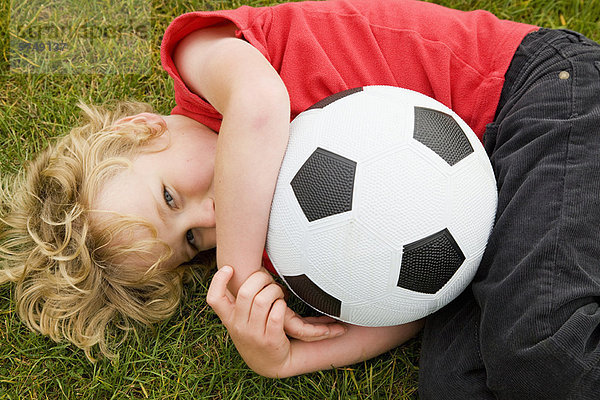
point(254, 319)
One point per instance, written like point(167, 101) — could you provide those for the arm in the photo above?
point(358, 344)
point(254, 321)
point(240, 83)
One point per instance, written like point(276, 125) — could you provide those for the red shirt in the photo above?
point(320, 48)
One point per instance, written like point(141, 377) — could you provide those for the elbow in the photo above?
point(274, 370)
point(260, 104)
point(271, 106)
point(268, 375)
point(271, 373)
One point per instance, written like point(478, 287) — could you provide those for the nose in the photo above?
point(202, 214)
point(201, 220)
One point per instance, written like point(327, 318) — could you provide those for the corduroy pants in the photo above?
point(529, 325)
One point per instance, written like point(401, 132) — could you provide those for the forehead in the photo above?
point(126, 192)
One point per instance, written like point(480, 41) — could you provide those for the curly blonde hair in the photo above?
point(69, 274)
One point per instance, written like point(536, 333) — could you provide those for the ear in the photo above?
point(145, 117)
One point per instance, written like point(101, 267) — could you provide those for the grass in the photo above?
point(190, 355)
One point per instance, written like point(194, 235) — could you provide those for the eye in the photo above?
point(168, 198)
point(189, 236)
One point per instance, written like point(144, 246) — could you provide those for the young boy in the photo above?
point(527, 328)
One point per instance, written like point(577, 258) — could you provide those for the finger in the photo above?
point(261, 306)
point(336, 327)
point(245, 296)
point(276, 318)
point(297, 327)
point(286, 291)
point(218, 296)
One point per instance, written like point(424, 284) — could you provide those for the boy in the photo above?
point(535, 94)
point(532, 303)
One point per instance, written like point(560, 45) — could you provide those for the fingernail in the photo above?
point(226, 268)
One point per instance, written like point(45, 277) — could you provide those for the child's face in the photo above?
point(172, 188)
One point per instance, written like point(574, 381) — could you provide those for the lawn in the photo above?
point(189, 355)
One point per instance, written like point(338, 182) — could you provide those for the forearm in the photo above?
point(251, 146)
point(358, 344)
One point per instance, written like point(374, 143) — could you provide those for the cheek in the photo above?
point(195, 157)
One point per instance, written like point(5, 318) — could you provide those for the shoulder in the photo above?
point(216, 65)
point(204, 58)
point(198, 51)
point(204, 38)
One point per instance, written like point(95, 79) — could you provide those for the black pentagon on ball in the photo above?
point(429, 263)
point(324, 184)
point(312, 294)
point(442, 134)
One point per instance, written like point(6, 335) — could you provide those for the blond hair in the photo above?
point(71, 281)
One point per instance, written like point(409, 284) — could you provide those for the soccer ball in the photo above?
point(383, 206)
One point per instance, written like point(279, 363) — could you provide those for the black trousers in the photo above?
point(529, 325)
